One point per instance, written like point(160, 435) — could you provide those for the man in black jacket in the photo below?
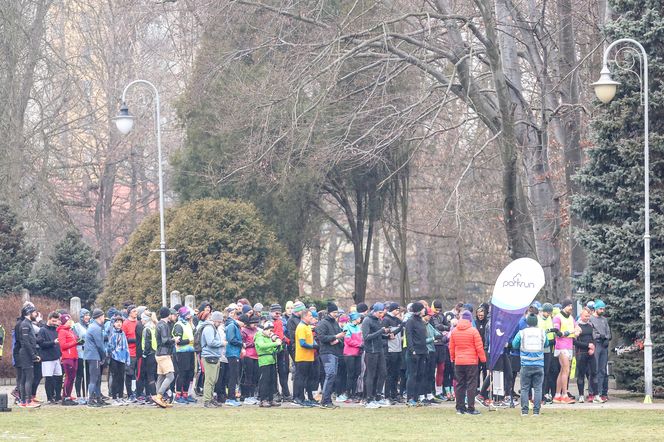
point(440, 323)
point(165, 344)
point(374, 356)
point(416, 341)
point(49, 353)
point(330, 338)
point(26, 356)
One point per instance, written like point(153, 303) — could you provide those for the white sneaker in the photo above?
point(581, 399)
point(341, 398)
point(117, 403)
point(384, 403)
point(372, 404)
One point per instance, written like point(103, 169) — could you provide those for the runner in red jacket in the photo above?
point(466, 352)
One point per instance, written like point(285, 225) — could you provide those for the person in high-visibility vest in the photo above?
point(184, 355)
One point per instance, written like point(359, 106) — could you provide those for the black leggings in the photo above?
point(429, 383)
point(36, 380)
point(117, 370)
point(352, 373)
point(267, 382)
point(222, 382)
point(148, 374)
point(80, 383)
point(375, 375)
point(233, 374)
point(249, 377)
point(26, 377)
point(283, 370)
point(417, 369)
point(185, 371)
point(585, 366)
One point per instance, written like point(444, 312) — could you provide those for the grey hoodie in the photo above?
point(601, 330)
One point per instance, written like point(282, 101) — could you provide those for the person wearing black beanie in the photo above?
point(164, 312)
point(362, 308)
point(416, 341)
point(330, 337)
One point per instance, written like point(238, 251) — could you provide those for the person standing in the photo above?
point(330, 337)
point(250, 360)
point(82, 372)
point(118, 350)
point(585, 355)
point(466, 351)
point(183, 329)
point(49, 353)
point(291, 326)
point(305, 347)
point(26, 355)
point(267, 344)
point(211, 347)
point(416, 345)
point(233, 351)
point(394, 348)
point(68, 342)
point(565, 325)
point(352, 355)
point(602, 336)
point(531, 342)
point(282, 355)
point(374, 357)
point(545, 322)
point(221, 386)
point(94, 355)
point(130, 329)
point(165, 367)
point(148, 364)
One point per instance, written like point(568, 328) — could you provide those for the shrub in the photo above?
point(223, 251)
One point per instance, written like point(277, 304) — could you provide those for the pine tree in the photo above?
point(16, 256)
point(612, 199)
point(73, 271)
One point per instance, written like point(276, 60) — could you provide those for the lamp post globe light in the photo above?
point(124, 122)
point(605, 89)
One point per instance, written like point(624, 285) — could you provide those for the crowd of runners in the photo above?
point(379, 355)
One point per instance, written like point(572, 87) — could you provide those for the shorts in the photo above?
point(569, 354)
point(51, 368)
point(165, 364)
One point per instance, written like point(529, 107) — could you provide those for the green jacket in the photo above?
point(266, 348)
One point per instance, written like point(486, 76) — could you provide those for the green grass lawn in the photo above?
point(249, 424)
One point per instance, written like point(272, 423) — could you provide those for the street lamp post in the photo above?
point(605, 89)
point(125, 122)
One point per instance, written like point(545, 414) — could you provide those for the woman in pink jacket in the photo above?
point(352, 356)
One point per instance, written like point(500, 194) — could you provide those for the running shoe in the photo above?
point(372, 405)
point(342, 398)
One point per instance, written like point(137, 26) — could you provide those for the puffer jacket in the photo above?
point(68, 342)
point(466, 344)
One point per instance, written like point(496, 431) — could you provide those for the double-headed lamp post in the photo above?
point(124, 121)
point(605, 89)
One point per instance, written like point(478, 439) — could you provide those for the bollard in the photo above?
point(175, 298)
point(75, 308)
point(190, 301)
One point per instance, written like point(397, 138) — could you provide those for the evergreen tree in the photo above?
point(73, 271)
point(16, 256)
point(612, 200)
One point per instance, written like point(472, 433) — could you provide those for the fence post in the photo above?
point(75, 308)
point(175, 298)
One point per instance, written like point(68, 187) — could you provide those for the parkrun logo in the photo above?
point(516, 282)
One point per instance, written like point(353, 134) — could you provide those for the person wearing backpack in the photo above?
point(531, 342)
point(207, 339)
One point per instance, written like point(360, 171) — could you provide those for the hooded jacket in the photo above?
point(466, 344)
point(211, 344)
point(265, 348)
point(25, 350)
point(81, 329)
point(234, 339)
point(68, 342)
point(416, 335)
point(94, 349)
point(602, 330)
point(372, 334)
point(352, 340)
point(248, 334)
point(49, 350)
point(326, 331)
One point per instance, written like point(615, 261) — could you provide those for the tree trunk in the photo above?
point(316, 289)
point(331, 265)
